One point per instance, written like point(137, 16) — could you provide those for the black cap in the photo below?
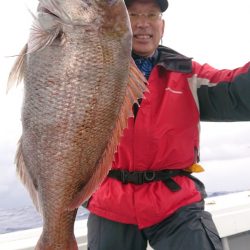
point(162, 3)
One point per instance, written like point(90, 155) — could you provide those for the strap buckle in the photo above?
point(137, 177)
point(149, 176)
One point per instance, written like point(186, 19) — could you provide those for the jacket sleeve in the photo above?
point(223, 95)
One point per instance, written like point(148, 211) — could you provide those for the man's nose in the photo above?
point(142, 22)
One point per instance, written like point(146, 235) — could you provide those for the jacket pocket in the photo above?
point(211, 231)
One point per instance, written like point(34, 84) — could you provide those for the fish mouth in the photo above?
point(63, 16)
point(55, 10)
point(47, 11)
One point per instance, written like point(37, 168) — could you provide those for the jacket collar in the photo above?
point(173, 60)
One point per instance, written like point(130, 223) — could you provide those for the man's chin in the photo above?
point(143, 51)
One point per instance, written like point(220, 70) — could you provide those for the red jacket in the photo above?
point(165, 135)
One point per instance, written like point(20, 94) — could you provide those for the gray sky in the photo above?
point(214, 31)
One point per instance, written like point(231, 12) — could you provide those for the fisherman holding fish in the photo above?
point(94, 129)
point(150, 195)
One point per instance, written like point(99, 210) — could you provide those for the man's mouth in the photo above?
point(143, 36)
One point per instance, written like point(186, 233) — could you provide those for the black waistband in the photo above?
point(140, 177)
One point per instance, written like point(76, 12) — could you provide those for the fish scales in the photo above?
point(79, 87)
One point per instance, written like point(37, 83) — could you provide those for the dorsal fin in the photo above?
point(135, 90)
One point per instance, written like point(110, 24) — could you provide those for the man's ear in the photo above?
point(163, 28)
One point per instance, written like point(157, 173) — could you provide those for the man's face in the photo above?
point(147, 26)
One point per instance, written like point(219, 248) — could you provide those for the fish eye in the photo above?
point(111, 2)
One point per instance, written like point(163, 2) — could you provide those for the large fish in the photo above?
point(79, 86)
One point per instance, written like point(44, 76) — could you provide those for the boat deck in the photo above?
point(231, 214)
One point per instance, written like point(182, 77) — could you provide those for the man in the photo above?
point(150, 194)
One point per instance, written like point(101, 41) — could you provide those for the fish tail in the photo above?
point(25, 177)
point(135, 90)
point(42, 244)
point(17, 72)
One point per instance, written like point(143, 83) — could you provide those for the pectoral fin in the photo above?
point(45, 29)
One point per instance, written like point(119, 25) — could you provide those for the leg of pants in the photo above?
point(190, 228)
point(104, 234)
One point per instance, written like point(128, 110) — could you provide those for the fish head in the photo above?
point(57, 18)
point(107, 17)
